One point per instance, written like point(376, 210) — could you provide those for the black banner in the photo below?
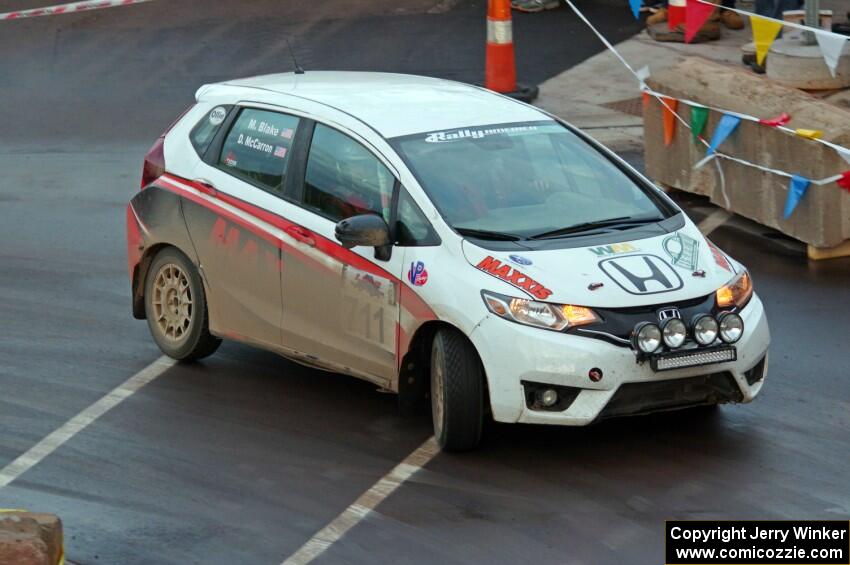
point(745, 542)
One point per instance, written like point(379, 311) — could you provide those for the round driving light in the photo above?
point(705, 329)
point(646, 337)
point(547, 397)
point(731, 327)
point(674, 332)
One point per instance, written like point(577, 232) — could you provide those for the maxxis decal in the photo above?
point(513, 276)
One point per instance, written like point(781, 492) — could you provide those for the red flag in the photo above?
point(844, 181)
point(695, 15)
point(676, 12)
point(779, 120)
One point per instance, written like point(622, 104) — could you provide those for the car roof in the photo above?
point(393, 104)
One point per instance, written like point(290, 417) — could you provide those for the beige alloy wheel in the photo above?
point(176, 307)
point(172, 302)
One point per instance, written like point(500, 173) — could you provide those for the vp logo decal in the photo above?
point(642, 274)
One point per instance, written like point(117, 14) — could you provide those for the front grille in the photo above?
point(643, 398)
point(617, 323)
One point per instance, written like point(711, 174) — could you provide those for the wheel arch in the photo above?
point(414, 373)
point(140, 273)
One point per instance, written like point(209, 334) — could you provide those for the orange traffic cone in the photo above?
point(500, 70)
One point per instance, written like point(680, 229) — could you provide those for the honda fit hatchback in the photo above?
point(441, 241)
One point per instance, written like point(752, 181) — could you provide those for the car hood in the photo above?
point(676, 266)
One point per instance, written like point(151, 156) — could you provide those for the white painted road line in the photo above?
point(365, 505)
point(82, 420)
point(713, 221)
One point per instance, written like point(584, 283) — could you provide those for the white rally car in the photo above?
point(436, 239)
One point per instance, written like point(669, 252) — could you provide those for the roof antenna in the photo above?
point(298, 69)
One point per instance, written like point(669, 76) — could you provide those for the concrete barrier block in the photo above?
point(45, 528)
point(22, 549)
point(822, 219)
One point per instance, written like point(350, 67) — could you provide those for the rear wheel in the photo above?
point(176, 308)
point(457, 392)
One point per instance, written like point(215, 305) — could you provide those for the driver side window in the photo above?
point(344, 179)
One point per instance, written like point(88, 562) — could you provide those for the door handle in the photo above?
point(205, 186)
point(300, 234)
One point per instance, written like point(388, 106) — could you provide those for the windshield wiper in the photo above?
point(486, 234)
point(588, 226)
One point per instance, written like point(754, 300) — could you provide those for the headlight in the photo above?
point(674, 332)
point(736, 292)
point(705, 329)
point(731, 327)
point(646, 337)
point(545, 315)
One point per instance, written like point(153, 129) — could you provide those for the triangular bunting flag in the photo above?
point(796, 191)
point(695, 15)
point(635, 5)
point(844, 181)
point(675, 13)
point(669, 119)
point(845, 153)
point(779, 120)
point(645, 99)
point(726, 126)
point(764, 33)
point(809, 133)
point(699, 115)
point(830, 45)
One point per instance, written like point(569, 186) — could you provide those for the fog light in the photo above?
point(705, 329)
point(674, 332)
point(547, 397)
point(731, 327)
point(646, 337)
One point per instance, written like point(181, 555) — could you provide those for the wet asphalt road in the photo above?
point(242, 458)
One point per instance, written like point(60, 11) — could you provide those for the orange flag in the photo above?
point(670, 119)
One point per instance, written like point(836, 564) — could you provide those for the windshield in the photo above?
point(523, 180)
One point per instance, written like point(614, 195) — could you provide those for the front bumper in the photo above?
point(513, 354)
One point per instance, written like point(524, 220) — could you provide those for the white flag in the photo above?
point(830, 45)
point(845, 153)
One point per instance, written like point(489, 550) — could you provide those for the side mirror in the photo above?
point(367, 229)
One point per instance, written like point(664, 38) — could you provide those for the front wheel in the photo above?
point(176, 308)
point(457, 392)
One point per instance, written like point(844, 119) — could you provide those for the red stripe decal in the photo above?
point(411, 301)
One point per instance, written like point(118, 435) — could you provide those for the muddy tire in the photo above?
point(176, 307)
point(457, 392)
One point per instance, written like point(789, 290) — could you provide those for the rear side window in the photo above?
point(345, 179)
point(204, 132)
point(257, 147)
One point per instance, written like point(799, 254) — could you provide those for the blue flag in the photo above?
point(635, 4)
point(796, 190)
point(724, 129)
